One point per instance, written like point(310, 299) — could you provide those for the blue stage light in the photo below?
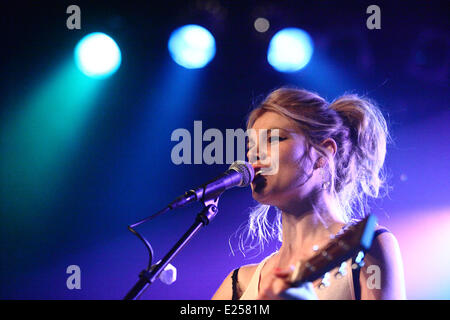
point(97, 55)
point(192, 46)
point(290, 50)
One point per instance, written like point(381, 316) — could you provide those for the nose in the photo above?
point(256, 156)
point(259, 162)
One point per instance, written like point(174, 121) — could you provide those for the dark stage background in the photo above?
point(82, 158)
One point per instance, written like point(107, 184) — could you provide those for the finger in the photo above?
point(265, 291)
point(272, 288)
point(283, 273)
point(267, 294)
point(279, 285)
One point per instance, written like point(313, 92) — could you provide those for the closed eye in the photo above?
point(273, 139)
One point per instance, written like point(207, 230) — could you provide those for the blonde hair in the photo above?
point(356, 173)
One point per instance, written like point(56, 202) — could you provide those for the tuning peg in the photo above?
point(359, 261)
point(325, 281)
point(342, 271)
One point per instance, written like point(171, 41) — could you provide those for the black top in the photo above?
point(355, 274)
point(235, 280)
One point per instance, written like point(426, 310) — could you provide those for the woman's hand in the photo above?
point(278, 288)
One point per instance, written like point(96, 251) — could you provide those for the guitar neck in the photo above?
point(354, 239)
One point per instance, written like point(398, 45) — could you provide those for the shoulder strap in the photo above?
point(356, 272)
point(380, 231)
point(234, 280)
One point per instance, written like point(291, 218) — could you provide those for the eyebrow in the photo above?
point(270, 129)
point(281, 129)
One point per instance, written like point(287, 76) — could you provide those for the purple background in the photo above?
point(122, 171)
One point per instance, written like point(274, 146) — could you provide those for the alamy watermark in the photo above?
point(374, 280)
point(74, 280)
point(374, 20)
point(260, 145)
point(74, 20)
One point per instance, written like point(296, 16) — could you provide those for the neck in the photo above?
point(306, 226)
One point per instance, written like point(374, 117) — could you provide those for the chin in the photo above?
point(260, 198)
point(264, 197)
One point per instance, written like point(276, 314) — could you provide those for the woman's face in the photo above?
point(295, 178)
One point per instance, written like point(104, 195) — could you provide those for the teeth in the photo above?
point(258, 172)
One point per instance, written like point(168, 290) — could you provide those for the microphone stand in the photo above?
point(147, 277)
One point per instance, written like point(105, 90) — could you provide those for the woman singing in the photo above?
point(330, 159)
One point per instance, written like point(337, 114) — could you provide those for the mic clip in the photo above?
point(209, 211)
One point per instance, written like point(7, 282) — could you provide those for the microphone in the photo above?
point(239, 174)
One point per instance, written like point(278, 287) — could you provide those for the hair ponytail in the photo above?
point(358, 168)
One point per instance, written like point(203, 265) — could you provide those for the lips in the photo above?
point(260, 168)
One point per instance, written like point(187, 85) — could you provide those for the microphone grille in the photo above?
point(245, 169)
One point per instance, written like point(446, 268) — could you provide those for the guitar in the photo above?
point(353, 241)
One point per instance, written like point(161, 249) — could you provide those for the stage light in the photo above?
point(97, 55)
point(192, 46)
point(290, 50)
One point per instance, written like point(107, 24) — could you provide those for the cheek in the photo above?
point(291, 157)
point(294, 166)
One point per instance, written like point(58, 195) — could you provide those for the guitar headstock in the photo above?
point(356, 238)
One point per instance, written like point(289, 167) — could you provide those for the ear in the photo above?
point(330, 145)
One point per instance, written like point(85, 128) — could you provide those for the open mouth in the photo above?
point(259, 182)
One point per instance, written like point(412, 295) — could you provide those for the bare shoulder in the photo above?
point(246, 273)
point(225, 291)
point(385, 247)
point(382, 276)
